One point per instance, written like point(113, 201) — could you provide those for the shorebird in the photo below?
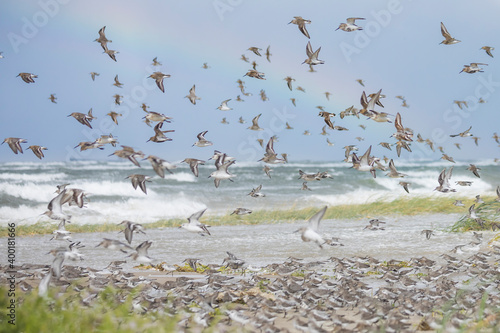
point(360, 82)
point(102, 39)
point(350, 25)
point(114, 244)
point(461, 104)
point(193, 165)
point(474, 169)
point(496, 137)
point(221, 172)
point(463, 134)
point(305, 187)
point(293, 101)
point(202, 142)
point(405, 186)
point(444, 181)
point(402, 133)
point(310, 233)
point(129, 153)
point(301, 24)
point(448, 158)
point(111, 54)
point(160, 165)
point(326, 116)
point(270, 155)
point(472, 212)
point(118, 99)
point(205, 66)
point(139, 180)
point(241, 120)
point(93, 75)
point(331, 144)
point(28, 77)
point(267, 170)
point(448, 40)
point(308, 176)
point(255, 193)
point(498, 193)
point(158, 77)
point(244, 58)
point(223, 106)
point(38, 151)
point(232, 261)
point(53, 98)
point(83, 118)
point(473, 68)
point(327, 95)
point(255, 124)
point(117, 82)
point(463, 183)
point(15, 144)
point(195, 225)
point(105, 139)
point(156, 62)
point(268, 53)
point(255, 50)
point(114, 116)
point(312, 57)
point(141, 253)
point(458, 203)
point(393, 173)
point(241, 211)
point(364, 163)
point(224, 121)
point(130, 228)
point(159, 134)
point(255, 74)
point(488, 50)
point(155, 117)
point(55, 207)
point(478, 199)
point(427, 233)
point(192, 95)
point(85, 145)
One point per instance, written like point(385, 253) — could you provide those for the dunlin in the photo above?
point(160, 165)
point(350, 25)
point(15, 144)
point(38, 151)
point(195, 225)
point(139, 180)
point(448, 40)
point(301, 24)
point(310, 233)
point(223, 106)
point(158, 77)
point(130, 228)
point(192, 95)
point(28, 77)
point(193, 164)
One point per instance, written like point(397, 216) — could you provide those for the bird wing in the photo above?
point(314, 221)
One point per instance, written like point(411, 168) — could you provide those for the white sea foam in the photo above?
point(26, 177)
point(181, 177)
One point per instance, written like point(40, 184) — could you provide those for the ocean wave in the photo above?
point(181, 177)
point(33, 177)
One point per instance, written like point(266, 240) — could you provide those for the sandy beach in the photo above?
point(453, 291)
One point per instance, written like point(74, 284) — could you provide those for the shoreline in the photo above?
point(398, 207)
point(354, 294)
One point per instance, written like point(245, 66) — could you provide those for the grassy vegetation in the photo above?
point(489, 218)
point(413, 206)
point(65, 313)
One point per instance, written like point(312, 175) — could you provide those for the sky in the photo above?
point(398, 51)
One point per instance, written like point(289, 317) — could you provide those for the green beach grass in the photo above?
point(399, 207)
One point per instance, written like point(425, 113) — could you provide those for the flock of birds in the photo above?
point(310, 233)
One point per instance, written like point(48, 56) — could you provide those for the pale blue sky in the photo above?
point(398, 52)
